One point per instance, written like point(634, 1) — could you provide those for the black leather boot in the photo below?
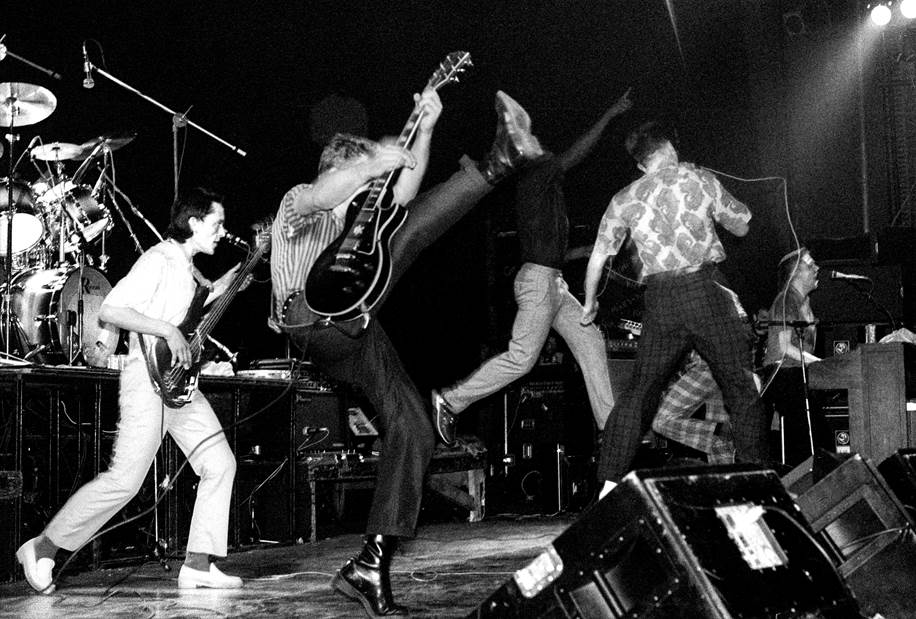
point(365, 577)
point(514, 145)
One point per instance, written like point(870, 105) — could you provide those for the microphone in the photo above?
point(849, 276)
point(234, 240)
point(88, 82)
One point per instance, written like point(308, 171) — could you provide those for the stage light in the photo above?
point(908, 8)
point(880, 14)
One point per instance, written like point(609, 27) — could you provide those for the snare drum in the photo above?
point(83, 211)
point(45, 302)
point(27, 225)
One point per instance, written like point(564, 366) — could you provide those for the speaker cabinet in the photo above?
point(10, 495)
point(693, 542)
point(869, 533)
point(899, 471)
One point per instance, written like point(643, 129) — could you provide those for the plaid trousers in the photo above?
point(687, 311)
point(694, 386)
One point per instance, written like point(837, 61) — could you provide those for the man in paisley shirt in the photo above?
point(670, 213)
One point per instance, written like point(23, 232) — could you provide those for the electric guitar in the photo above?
point(353, 272)
point(176, 384)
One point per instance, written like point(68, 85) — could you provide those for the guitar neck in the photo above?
point(219, 307)
point(405, 139)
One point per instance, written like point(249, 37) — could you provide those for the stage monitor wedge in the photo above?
point(717, 542)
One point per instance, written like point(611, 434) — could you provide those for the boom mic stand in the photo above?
point(178, 120)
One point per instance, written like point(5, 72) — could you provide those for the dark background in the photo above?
point(758, 89)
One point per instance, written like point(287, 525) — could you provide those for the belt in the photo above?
point(706, 267)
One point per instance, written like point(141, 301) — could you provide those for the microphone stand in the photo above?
point(800, 334)
point(178, 120)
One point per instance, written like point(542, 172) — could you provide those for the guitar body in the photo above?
point(352, 274)
point(176, 385)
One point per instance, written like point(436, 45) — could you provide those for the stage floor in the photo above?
point(445, 572)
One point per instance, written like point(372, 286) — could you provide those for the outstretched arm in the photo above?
point(580, 149)
point(409, 181)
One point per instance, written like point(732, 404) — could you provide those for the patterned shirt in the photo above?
point(297, 241)
point(670, 214)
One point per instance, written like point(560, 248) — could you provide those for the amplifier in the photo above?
point(621, 347)
point(10, 494)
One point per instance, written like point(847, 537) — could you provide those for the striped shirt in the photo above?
point(297, 241)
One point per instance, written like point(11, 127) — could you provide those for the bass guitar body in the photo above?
point(352, 274)
point(176, 384)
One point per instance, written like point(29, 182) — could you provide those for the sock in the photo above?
point(45, 548)
point(197, 561)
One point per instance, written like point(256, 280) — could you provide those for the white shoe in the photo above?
point(606, 489)
point(37, 571)
point(189, 578)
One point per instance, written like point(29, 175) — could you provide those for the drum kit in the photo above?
point(50, 229)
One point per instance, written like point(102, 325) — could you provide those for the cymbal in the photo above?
point(113, 142)
point(56, 151)
point(24, 104)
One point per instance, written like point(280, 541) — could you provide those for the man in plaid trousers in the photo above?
point(671, 212)
point(693, 387)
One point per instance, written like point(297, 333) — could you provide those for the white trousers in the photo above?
point(142, 425)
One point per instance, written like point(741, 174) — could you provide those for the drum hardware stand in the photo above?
point(40, 103)
point(178, 120)
point(113, 192)
point(4, 52)
point(10, 211)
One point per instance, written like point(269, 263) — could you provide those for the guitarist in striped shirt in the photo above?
point(310, 217)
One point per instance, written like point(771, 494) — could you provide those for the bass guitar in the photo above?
point(176, 384)
point(353, 272)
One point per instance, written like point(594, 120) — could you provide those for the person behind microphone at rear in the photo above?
point(788, 347)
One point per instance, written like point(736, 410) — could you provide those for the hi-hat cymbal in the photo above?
point(24, 104)
point(111, 141)
point(56, 151)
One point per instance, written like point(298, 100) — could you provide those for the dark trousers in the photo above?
point(370, 363)
point(685, 311)
point(786, 394)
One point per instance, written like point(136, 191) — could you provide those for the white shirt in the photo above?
point(160, 285)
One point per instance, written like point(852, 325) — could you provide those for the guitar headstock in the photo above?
point(262, 234)
point(450, 69)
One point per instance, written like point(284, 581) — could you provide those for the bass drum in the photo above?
point(45, 303)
